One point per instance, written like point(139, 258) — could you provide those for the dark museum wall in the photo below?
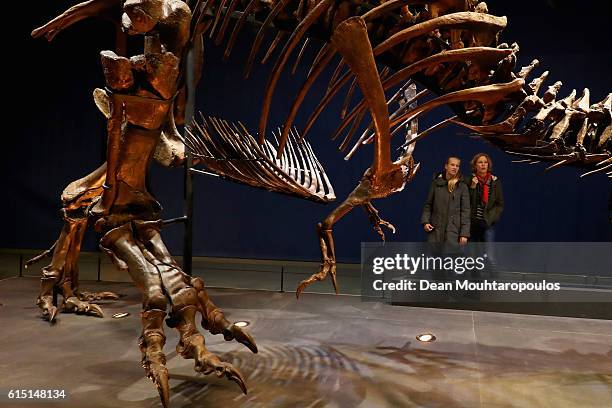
point(59, 136)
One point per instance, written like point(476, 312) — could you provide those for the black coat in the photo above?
point(495, 205)
point(448, 212)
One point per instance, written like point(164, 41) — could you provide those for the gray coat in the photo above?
point(448, 212)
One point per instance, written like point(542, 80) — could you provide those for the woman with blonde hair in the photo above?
point(446, 216)
point(486, 197)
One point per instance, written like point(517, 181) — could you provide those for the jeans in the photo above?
point(481, 232)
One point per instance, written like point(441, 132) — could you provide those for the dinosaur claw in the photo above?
point(192, 345)
point(300, 289)
point(234, 375)
point(241, 336)
point(94, 310)
point(73, 304)
point(48, 310)
point(151, 344)
point(222, 369)
point(377, 222)
point(335, 283)
point(159, 376)
point(53, 311)
point(214, 320)
point(209, 363)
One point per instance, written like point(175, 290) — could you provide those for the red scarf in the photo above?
point(484, 182)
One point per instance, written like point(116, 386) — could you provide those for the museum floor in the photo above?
point(320, 351)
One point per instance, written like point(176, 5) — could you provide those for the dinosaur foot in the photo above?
point(328, 267)
point(96, 296)
point(215, 322)
point(151, 345)
point(233, 332)
point(48, 311)
point(207, 362)
point(74, 305)
point(192, 345)
point(377, 222)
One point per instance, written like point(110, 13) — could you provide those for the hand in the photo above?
point(428, 227)
point(474, 182)
point(463, 241)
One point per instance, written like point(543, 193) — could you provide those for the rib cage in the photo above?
point(229, 151)
point(449, 46)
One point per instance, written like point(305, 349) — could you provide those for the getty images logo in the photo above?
point(411, 264)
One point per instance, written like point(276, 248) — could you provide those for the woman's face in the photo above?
point(452, 167)
point(482, 165)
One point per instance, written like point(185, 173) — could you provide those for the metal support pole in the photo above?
point(99, 268)
point(282, 288)
point(188, 191)
point(21, 266)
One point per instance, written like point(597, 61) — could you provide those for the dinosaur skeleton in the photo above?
point(449, 47)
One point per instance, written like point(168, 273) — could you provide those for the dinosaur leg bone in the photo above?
point(326, 244)
point(351, 40)
point(126, 253)
point(384, 177)
point(62, 273)
point(137, 247)
point(185, 290)
point(366, 190)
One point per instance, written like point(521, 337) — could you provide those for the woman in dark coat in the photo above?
point(486, 197)
point(446, 216)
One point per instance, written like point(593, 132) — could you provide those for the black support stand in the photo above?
point(188, 180)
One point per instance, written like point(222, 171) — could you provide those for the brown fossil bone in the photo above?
point(448, 46)
point(231, 152)
point(138, 248)
point(452, 48)
point(63, 273)
point(384, 177)
point(260, 35)
point(296, 36)
point(484, 55)
point(138, 103)
point(76, 13)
